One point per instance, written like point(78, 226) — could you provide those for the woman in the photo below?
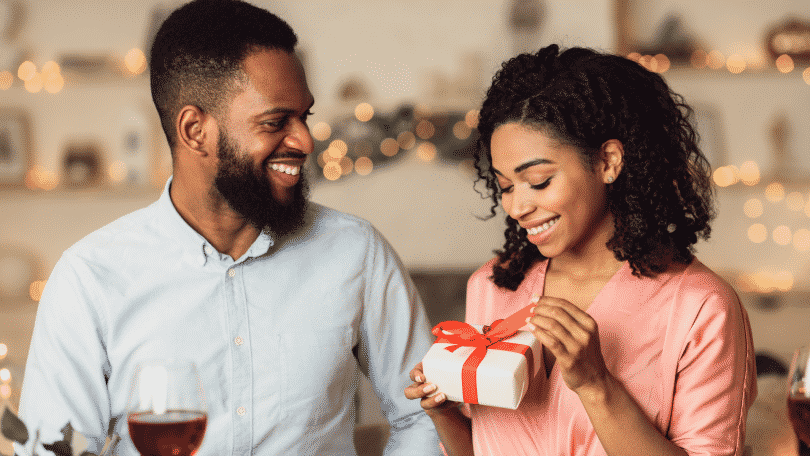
point(645, 350)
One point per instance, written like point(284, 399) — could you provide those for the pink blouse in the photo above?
point(680, 343)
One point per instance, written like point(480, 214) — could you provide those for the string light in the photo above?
point(426, 151)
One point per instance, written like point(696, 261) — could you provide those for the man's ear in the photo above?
point(195, 130)
point(611, 160)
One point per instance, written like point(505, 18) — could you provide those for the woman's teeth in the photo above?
point(292, 170)
point(543, 227)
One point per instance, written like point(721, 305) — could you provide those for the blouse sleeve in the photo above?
point(715, 381)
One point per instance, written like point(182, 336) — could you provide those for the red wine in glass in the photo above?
point(166, 411)
point(173, 433)
point(798, 398)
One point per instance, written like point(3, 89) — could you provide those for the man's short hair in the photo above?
point(196, 57)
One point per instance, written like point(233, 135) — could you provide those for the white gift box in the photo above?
point(501, 379)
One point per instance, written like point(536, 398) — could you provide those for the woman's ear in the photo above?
point(193, 130)
point(611, 160)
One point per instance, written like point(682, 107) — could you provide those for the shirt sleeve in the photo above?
point(64, 378)
point(395, 335)
point(716, 379)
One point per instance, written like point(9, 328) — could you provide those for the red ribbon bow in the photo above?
point(460, 334)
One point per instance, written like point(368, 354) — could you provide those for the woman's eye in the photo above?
point(542, 185)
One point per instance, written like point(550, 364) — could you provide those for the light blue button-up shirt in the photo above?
point(272, 333)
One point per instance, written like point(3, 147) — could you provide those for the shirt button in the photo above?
point(208, 250)
point(240, 411)
point(231, 273)
point(239, 340)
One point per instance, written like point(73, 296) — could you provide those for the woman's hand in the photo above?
point(419, 389)
point(572, 336)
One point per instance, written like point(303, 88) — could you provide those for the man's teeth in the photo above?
point(292, 170)
point(543, 227)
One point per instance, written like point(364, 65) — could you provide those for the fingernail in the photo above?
point(535, 298)
point(440, 397)
point(419, 379)
point(429, 388)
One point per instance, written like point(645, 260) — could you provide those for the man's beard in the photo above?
point(248, 192)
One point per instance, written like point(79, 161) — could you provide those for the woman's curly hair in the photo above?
point(662, 200)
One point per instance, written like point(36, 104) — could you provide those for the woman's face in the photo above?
point(549, 191)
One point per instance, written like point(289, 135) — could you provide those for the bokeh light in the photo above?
point(715, 60)
point(471, 118)
point(725, 176)
point(698, 59)
point(426, 151)
point(321, 131)
point(35, 290)
point(6, 80)
point(26, 70)
point(753, 208)
point(332, 171)
point(5, 375)
point(806, 75)
point(135, 61)
point(338, 149)
point(346, 165)
point(461, 130)
point(363, 166)
point(749, 173)
point(775, 192)
point(735, 64)
point(364, 112)
point(389, 147)
point(782, 235)
point(117, 171)
point(425, 129)
point(3, 350)
point(757, 233)
point(35, 83)
point(406, 140)
point(801, 240)
point(794, 201)
point(784, 63)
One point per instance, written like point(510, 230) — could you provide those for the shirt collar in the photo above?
point(192, 241)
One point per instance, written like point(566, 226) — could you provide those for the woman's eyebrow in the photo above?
point(525, 166)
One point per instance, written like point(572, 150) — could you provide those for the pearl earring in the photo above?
point(610, 179)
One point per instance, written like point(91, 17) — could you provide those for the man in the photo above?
point(275, 299)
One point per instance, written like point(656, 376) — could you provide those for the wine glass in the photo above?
point(798, 402)
point(166, 411)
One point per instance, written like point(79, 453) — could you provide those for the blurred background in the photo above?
point(397, 86)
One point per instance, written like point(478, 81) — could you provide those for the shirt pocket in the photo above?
point(319, 371)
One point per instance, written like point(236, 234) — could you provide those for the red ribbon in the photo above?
point(460, 334)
